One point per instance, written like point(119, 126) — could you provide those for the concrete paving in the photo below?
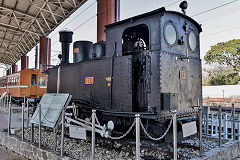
point(3, 121)
point(6, 154)
point(16, 120)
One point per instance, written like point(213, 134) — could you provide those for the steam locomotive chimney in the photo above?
point(65, 39)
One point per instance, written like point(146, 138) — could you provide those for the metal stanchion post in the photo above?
point(9, 118)
point(27, 113)
point(58, 78)
point(174, 134)
point(93, 134)
point(137, 136)
point(32, 132)
point(1, 101)
point(24, 100)
point(4, 101)
point(54, 139)
point(10, 98)
point(233, 118)
point(220, 125)
point(7, 99)
point(39, 126)
point(206, 129)
point(63, 127)
point(22, 121)
point(200, 131)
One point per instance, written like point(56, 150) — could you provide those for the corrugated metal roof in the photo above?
point(23, 22)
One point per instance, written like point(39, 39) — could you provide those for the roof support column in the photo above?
point(45, 53)
point(14, 68)
point(108, 11)
point(24, 62)
point(36, 57)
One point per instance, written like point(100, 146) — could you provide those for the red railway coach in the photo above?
point(29, 82)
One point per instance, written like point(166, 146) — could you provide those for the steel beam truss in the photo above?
point(23, 22)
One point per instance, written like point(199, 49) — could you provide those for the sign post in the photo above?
point(93, 134)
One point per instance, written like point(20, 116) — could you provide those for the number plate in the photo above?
point(183, 75)
point(75, 50)
point(89, 80)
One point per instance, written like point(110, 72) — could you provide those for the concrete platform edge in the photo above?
point(229, 150)
point(27, 149)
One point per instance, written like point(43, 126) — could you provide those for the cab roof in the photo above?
point(154, 12)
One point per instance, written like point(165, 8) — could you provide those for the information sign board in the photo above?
point(52, 105)
point(189, 129)
point(77, 132)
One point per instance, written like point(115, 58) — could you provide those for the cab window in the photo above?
point(42, 81)
point(34, 79)
point(170, 33)
point(135, 39)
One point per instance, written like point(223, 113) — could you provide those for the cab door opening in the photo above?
point(135, 42)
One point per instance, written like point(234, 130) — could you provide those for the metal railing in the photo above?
point(137, 123)
point(221, 122)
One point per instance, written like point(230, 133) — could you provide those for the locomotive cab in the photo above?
point(163, 54)
point(151, 65)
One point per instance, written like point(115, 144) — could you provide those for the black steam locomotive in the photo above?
point(150, 64)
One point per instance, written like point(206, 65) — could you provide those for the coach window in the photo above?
point(135, 39)
point(42, 81)
point(34, 79)
point(17, 80)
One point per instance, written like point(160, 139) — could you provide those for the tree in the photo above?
point(225, 53)
point(220, 76)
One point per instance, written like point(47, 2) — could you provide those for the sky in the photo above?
point(219, 25)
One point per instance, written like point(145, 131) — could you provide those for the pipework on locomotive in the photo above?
point(150, 64)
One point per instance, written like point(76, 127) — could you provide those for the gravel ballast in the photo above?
point(107, 149)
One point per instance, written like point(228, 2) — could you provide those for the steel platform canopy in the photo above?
point(23, 22)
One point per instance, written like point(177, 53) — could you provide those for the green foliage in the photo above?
point(221, 76)
point(227, 53)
